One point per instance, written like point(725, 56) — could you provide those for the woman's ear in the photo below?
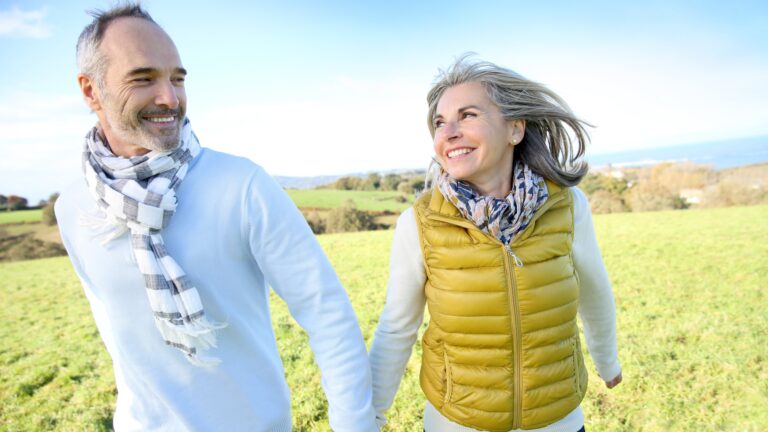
point(515, 131)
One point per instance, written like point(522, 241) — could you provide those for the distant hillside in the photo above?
point(288, 182)
point(305, 182)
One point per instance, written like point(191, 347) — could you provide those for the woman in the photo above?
point(502, 250)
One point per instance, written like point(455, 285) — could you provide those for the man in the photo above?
point(181, 299)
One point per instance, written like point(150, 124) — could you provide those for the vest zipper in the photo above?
point(518, 261)
point(513, 310)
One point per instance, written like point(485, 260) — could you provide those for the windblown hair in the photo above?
point(551, 128)
point(90, 60)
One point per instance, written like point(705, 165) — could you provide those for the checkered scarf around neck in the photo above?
point(500, 218)
point(138, 194)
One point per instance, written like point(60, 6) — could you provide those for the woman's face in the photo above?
point(473, 141)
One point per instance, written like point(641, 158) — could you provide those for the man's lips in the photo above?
point(167, 119)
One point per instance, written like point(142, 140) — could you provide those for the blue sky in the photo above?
point(309, 88)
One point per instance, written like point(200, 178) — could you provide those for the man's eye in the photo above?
point(141, 80)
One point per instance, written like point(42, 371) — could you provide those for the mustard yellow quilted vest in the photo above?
point(502, 347)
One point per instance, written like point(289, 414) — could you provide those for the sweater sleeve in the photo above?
point(596, 306)
point(295, 266)
point(401, 317)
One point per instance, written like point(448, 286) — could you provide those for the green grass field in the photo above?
point(20, 216)
point(331, 198)
point(692, 315)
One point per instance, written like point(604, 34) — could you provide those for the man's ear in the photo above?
point(90, 92)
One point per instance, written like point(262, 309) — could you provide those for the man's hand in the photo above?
point(614, 382)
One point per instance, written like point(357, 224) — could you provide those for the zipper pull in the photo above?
point(518, 261)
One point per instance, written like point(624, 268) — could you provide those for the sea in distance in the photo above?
point(719, 154)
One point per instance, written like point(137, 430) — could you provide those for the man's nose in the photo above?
point(167, 95)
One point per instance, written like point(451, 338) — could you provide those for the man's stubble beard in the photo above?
point(130, 128)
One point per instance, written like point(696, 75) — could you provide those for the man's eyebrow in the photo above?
point(149, 70)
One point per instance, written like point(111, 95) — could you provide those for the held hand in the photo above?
point(614, 382)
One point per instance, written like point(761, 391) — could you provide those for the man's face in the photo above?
point(142, 103)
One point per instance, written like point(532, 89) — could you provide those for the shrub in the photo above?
point(49, 216)
point(26, 246)
point(733, 193)
point(650, 196)
point(604, 201)
point(348, 218)
point(316, 222)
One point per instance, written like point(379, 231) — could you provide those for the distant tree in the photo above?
point(405, 187)
point(49, 216)
point(346, 183)
point(3, 201)
point(390, 182)
point(604, 201)
point(372, 182)
point(16, 202)
point(592, 183)
point(651, 196)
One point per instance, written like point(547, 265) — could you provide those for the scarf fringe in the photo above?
point(106, 229)
point(199, 335)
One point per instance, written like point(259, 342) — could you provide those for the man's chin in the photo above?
point(165, 143)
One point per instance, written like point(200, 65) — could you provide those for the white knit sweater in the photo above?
point(236, 234)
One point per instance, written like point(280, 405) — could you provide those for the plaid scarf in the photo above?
point(138, 194)
point(500, 218)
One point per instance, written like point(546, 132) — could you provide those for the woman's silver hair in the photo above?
point(90, 60)
point(551, 128)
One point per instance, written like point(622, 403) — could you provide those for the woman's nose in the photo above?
point(451, 129)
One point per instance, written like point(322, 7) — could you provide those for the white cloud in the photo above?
point(24, 24)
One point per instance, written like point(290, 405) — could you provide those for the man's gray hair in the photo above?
point(90, 60)
point(547, 146)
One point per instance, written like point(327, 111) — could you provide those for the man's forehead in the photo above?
point(136, 41)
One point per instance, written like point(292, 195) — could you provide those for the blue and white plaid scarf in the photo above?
point(500, 218)
point(138, 194)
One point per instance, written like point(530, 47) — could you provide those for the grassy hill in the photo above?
point(20, 216)
point(691, 304)
point(364, 200)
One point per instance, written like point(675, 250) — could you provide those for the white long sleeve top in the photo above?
point(235, 233)
point(404, 312)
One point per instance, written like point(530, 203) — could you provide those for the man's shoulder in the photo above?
point(228, 167)
point(72, 195)
point(210, 158)
point(74, 200)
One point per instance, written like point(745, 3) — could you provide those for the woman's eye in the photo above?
point(467, 114)
point(438, 123)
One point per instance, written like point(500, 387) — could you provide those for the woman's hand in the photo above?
point(614, 382)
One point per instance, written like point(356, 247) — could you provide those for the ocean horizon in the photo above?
point(719, 154)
